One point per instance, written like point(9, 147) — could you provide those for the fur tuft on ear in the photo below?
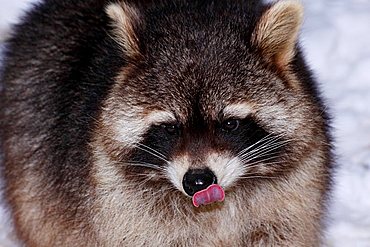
point(276, 32)
point(124, 19)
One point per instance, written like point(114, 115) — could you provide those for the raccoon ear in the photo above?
point(124, 20)
point(277, 30)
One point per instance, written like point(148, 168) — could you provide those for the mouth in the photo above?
point(213, 193)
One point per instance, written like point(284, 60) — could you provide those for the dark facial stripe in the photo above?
point(250, 136)
point(161, 141)
point(157, 145)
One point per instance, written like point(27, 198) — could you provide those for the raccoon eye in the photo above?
point(172, 129)
point(230, 125)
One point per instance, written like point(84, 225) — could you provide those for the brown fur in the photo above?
point(284, 212)
point(70, 175)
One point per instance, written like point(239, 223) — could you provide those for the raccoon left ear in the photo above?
point(277, 30)
point(124, 20)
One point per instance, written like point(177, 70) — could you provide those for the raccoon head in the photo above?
point(205, 98)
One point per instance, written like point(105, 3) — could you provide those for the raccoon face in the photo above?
point(205, 107)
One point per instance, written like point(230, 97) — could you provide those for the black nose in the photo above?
point(198, 179)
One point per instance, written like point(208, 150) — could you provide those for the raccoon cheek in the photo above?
point(176, 171)
point(227, 169)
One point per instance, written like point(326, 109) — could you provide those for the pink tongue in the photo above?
point(214, 193)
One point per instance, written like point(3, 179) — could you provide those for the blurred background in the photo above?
point(336, 41)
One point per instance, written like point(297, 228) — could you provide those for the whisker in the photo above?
point(260, 151)
point(150, 152)
point(146, 165)
point(257, 176)
point(264, 149)
point(242, 152)
point(259, 162)
point(262, 155)
point(144, 175)
point(152, 149)
point(269, 143)
point(266, 138)
point(248, 166)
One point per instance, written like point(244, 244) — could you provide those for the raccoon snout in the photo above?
point(198, 179)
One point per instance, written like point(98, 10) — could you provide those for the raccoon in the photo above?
point(163, 123)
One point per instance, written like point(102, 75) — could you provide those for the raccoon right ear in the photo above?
point(124, 20)
point(277, 30)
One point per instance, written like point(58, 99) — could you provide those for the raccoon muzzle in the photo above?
point(202, 185)
point(198, 179)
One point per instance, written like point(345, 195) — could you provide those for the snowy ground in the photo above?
point(336, 38)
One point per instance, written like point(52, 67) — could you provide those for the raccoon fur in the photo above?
point(115, 116)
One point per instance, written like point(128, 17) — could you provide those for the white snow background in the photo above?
point(336, 41)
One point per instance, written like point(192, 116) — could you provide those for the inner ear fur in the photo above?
point(276, 32)
point(124, 20)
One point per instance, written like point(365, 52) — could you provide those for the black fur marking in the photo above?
point(248, 135)
point(157, 142)
point(70, 62)
point(198, 136)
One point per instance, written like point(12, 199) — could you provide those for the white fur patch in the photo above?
point(176, 171)
point(130, 123)
point(283, 119)
point(238, 111)
point(158, 117)
point(129, 127)
point(226, 168)
point(106, 174)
